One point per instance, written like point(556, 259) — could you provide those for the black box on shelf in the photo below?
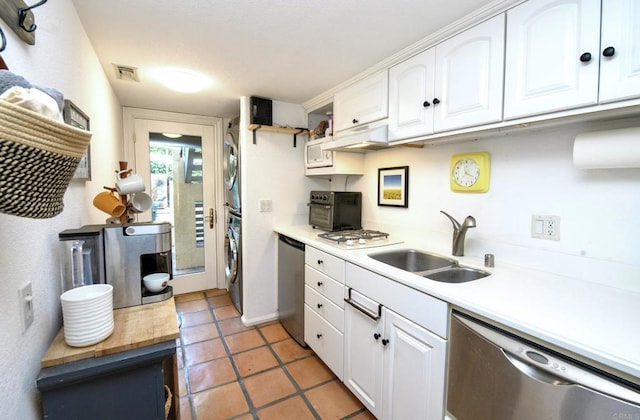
point(261, 111)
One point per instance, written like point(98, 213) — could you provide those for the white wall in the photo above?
point(531, 173)
point(62, 58)
point(272, 169)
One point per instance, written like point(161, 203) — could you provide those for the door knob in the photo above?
point(609, 51)
point(376, 336)
point(385, 341)
point(436, 101)
point(426, 104)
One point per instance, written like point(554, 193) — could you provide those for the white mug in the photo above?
point(130, 184)
point(140, 202)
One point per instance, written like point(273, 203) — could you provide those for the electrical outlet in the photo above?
point(545, 227)
point(25, 300)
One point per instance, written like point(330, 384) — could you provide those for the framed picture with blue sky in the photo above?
point(393, 186)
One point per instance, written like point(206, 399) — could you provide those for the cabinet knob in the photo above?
point(376, 336)
point(319, 336)
point(436, 101)
point(426, 104)
point(320, 283)
point(385, 341)
point(355, 121)
point(319, 305)
point(585, 57)
point(609, 52)
point(320, 262)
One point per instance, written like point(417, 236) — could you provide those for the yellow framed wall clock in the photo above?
point(470, 172)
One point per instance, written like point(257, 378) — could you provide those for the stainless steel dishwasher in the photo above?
point(291, 287)
point(494, 374)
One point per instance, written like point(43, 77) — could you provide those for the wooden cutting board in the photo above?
point(134, 327)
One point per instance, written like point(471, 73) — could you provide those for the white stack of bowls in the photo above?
point(87, 314)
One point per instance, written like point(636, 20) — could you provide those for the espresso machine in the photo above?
point(119, 255)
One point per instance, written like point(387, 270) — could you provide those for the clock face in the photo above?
point(466, 172)
point(470, 172)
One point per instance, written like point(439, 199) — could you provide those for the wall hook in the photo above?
point(22, 15)
point(3, 41)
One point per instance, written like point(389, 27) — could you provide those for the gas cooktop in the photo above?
point(362, 238)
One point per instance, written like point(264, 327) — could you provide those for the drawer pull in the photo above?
point(320, 262)
point(319, 305)
point(319, 336)
point(376, 336)
point(362, 309)
point(320, 283)
point(385, 341)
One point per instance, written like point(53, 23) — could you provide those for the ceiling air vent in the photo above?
point(126, 73)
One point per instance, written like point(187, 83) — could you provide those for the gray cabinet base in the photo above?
point(128, 385)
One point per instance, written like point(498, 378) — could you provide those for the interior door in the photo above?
point(178, 162)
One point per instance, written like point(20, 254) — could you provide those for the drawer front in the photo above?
point(325, 308)
point(325, 263)
point(427, 311)
point(324, 285)
point(325, 340)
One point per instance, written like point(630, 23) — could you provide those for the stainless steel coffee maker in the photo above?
point(120, 255)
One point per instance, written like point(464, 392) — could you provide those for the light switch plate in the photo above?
point(265, 206)
point(25, 300)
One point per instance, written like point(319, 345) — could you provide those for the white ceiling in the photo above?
point(285, 50)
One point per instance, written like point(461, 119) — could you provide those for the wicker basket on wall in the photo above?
point(38, 157)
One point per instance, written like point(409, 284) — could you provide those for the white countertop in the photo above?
point(595, 323)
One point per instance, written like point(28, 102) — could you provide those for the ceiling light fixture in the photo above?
point(172, 135)
point(185, 81)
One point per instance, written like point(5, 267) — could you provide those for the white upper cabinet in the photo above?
point(411, 85)
point(551, 56)
point(620, 50)
point(361, 103)
point(456, 84)
point(469, 77)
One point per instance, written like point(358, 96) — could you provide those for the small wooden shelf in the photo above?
point(272, 129)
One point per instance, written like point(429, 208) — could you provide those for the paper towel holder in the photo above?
point(609, 149)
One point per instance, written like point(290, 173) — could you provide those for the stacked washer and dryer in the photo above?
point(233, 216)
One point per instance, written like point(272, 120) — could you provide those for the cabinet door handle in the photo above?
point(609, 52)
point(320, 262)
point(585, 57)
point(320, 283)
point(385, 341)
point(426, 104)
point(319, 336)
point(376, 336)
point(355, 121)
point(319, 305)
point(436, 101)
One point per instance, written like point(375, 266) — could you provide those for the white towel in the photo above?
point(34, 100)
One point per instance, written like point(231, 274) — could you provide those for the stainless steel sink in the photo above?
point(413, 260)
point(457, 275)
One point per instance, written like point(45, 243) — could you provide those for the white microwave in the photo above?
point(315, 157)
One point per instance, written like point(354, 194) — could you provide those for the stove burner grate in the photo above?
point(354, 235)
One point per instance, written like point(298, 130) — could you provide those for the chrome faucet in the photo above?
point(459, 232)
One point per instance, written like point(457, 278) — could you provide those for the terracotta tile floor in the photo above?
point(229, 371)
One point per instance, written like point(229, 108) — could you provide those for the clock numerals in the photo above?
point(466, 172)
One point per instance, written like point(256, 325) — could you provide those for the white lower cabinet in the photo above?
point(323, 307)
point(324, 339)
point(394, 366)
point(414, 370)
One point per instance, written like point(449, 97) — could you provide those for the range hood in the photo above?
point(372, 136)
